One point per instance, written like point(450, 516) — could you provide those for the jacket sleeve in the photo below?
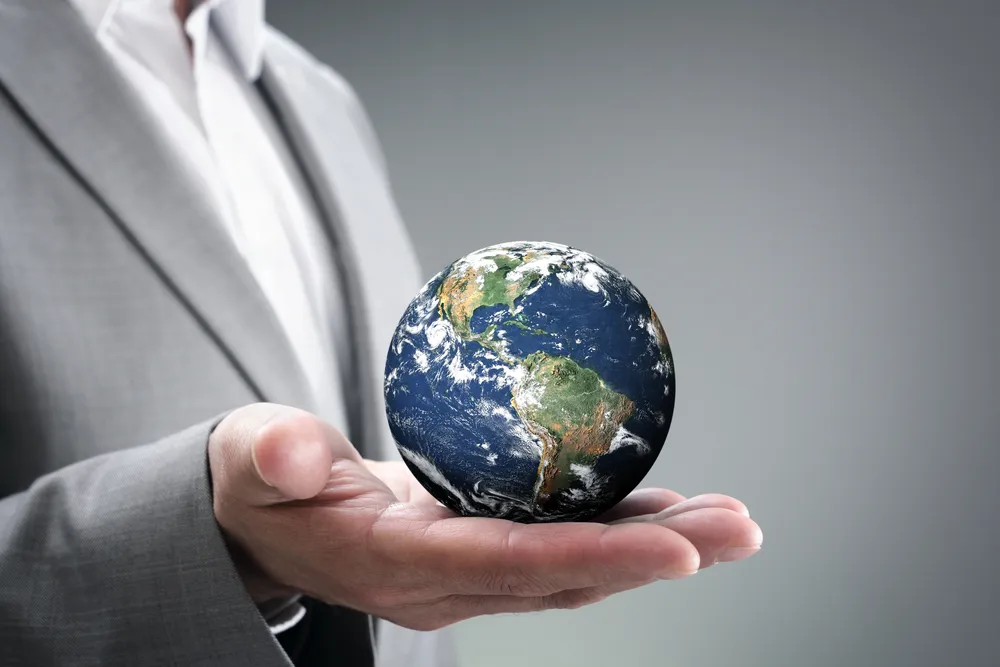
point(118, 560)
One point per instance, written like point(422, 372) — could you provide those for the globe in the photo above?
point(529, 381)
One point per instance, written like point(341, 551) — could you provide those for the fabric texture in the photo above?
point(196, 81)
point(201, 93)
point(127, 316)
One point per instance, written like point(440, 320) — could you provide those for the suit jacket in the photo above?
point(128, 326)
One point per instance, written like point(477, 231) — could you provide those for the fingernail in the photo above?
point(736, 553)
point(745, 512)
point(673, 574)
point(683, 575)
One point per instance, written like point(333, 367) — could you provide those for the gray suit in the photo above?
point(128, 326)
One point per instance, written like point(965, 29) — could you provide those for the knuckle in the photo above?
point(292, 426)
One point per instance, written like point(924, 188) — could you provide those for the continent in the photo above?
point(465, 291)
point(572, 412)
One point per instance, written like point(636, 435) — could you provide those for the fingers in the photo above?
point(268, 454)
point(641, 502)
point(293, 456)
point(703, 501)
point(717, 525)
point(718, 534)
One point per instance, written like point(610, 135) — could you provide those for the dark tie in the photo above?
point(333, 636)
point(329, 637)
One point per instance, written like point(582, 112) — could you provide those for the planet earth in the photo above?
point(529, 381)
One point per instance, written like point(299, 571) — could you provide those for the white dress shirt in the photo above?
point(207, 105)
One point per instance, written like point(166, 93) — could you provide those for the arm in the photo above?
point(119, 560)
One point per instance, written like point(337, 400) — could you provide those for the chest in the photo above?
point(99, 351)
point(119, 320)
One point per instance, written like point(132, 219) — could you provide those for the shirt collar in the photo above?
point(240, 24)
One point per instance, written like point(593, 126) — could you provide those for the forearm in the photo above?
point(119, 560)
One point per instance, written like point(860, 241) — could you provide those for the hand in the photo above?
point(304, 513)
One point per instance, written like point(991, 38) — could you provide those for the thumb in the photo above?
point(265, 454)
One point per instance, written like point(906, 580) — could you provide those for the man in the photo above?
point(199, 251)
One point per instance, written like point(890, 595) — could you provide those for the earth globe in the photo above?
point(529, 381)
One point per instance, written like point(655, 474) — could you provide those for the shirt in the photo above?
point(205, 102)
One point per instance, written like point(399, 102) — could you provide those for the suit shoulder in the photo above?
point(290, 54)
point(295, 60)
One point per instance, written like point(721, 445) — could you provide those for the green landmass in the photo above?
point(572, 411)
point(461, 295)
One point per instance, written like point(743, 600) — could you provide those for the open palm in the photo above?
point(367, 535)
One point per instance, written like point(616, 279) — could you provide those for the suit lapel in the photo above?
point(58, 75)
point(327, 129)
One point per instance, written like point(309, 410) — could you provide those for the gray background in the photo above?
point(809, 196)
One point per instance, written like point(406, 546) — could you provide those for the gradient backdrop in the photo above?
point(809, 195)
